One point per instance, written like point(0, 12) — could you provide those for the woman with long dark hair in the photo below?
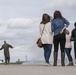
point(59, 24)
point(46, 36)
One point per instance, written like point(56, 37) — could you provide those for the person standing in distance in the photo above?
point(6, 47)
point(73, 38)
point(68, 48)
point(59, 23)
point(46, 37)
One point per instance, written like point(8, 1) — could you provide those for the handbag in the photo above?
point(39, 42)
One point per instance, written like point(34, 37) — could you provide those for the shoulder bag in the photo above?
point(39, 42)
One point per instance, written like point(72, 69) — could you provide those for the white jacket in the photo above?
point(47, 36)
point(68, 42)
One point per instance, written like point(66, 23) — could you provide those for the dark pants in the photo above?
point(59, 39)
point(75, 49)
point(47, 51)
point(68, 52)
point(7, 60)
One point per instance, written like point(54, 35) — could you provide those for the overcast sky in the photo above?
point(19, 24)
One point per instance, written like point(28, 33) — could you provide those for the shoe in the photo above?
point(47, 64)
point(55, 58)
point(62, 58)
point(70, 64)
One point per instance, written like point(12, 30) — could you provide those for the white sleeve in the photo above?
point(40, 27)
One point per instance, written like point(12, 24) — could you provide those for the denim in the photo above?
point(68, 52)
point(58, 24)
point(47, 51)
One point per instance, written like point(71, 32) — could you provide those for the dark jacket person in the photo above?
point(73, 37)
point(6, 47)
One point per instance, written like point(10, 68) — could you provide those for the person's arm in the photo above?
point(10, 46)
point(63, 29)
point(2, 47)
point(66, 22)
point(52, 27)
point(40, 29)
point(50, 30)
point(72, 36)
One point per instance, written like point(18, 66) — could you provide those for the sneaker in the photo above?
point(47, 64)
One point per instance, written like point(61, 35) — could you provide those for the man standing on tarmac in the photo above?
point(6, 47)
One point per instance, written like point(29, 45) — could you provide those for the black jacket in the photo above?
point(73, 35)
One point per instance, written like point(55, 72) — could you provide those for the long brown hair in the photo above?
point(45, 18)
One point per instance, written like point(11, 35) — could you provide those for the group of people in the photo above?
point(54, 32)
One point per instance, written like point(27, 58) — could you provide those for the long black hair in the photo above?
point(75, 24)
point(57, 14)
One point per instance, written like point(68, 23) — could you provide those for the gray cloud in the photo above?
point(19, 22)
point(61, 4)
point(22, 34)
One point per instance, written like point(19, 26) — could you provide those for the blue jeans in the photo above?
point(68, 52)
point(47, 51)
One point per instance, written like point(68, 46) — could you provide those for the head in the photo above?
point(45, 18)
point(75, 24)
point(57, 14)
point(67, 31)
point(5, 42)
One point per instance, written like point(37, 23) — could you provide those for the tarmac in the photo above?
point(36, 69)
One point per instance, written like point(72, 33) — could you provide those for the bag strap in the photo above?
point(43, 30)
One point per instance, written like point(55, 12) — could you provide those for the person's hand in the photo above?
point(13, 47)
point(61, 31)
